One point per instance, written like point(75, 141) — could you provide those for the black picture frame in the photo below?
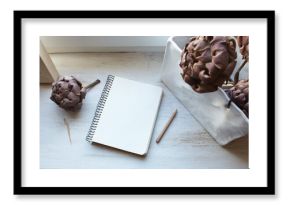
point(268, 190)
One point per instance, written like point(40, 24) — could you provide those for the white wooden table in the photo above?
point(185, 144)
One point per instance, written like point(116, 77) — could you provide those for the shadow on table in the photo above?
point(118, 151)
point(239, 148)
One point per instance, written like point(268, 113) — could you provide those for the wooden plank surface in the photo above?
point(185, 144)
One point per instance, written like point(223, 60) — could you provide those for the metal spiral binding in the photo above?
point(100, 107)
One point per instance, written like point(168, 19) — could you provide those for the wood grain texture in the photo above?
point(186, 144)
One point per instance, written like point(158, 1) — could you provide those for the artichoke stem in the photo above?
point(92, 84)
point(236, 78)
point(228, 105)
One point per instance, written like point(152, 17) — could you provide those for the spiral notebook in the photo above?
point(125, 115)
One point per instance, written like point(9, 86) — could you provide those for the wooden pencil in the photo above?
point(166, 126)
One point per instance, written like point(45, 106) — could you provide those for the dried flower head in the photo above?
point(68, 92)
point(208, 61)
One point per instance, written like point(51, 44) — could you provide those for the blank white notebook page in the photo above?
point(129, 116)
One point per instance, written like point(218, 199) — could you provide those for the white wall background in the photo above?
point(282, 100)
point(60, 44)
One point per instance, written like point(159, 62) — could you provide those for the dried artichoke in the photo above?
point(208, 61)
point(68, 92)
